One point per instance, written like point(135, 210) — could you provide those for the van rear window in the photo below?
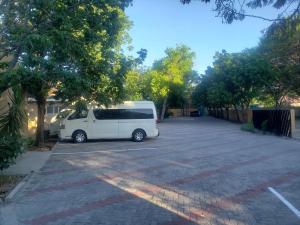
point(119, 114)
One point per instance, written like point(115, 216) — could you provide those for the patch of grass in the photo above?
point(248, 127)
point(7, 183)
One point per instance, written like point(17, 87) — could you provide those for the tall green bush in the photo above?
point(11, 123)
point(10, 148)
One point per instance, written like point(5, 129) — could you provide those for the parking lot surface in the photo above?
point(198, 171)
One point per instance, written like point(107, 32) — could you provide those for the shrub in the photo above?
point(11, 123)
point(264, 126)
point(10, 146)
point(248, 127)
point(168, 114)
point(29, 142)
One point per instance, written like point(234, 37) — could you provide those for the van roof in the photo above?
point(137, 102)
point(132, 104)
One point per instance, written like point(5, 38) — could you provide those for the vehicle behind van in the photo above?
point(133, 119)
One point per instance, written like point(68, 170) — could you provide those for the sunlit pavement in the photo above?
point(199, 171)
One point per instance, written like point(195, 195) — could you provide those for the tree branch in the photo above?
point(232, 9)
point(249, 15)
point(259, 17)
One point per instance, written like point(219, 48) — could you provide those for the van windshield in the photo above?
point(63, 114)
point(119, 114)
point(78, 115)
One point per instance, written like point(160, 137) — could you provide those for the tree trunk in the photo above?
point(276, 103)
point(40, 139)
point(277, 100)
point(163, 110)
point(237, 113)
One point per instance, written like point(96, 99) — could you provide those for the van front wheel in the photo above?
point(79, 136)
point(138, 135)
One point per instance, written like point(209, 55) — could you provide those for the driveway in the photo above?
point(199, 171)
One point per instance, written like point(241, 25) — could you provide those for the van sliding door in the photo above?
point(104, 124)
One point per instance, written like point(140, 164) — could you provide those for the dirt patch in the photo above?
point(7, 183)
point(49, 144)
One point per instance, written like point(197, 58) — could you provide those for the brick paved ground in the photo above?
point(199, 171)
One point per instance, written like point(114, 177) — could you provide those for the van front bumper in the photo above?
point(63, 135)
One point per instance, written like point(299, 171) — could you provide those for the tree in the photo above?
point(134, 85)
point(72, 46)
point(180, 95)
point(170, 72)
point(212, 91)
point(245, 74)
point(231, 10)
point(280, 46)
point(234, 80)
point(199, 95)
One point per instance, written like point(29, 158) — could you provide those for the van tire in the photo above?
point(79, 136)
point(138, 135)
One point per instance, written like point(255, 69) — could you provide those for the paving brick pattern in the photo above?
point(199, 171)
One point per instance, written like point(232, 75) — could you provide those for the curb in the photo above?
point(17, 188)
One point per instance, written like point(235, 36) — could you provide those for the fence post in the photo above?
point(293, 122)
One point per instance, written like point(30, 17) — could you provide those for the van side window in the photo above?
point(106, 114)
point(137, 114)
point(119, 114)
point(78, 115)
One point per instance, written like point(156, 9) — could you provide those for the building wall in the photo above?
point(32, 112)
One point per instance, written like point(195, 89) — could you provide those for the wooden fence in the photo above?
point(181, 112)
point(245, 116)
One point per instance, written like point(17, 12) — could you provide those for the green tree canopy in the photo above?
point(234, 80)
point(281, 47)
point(268, 73)
point(170, 73)
point(169, 81)
point(72, 46)
point(134, 85)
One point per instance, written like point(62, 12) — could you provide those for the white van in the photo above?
point(54, 125)
point(133, 119)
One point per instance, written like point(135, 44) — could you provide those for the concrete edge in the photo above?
point(15, 190)
point(24, 181)
point(56, 145)
point(18, 187)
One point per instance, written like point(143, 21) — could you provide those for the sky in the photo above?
point(159, 24)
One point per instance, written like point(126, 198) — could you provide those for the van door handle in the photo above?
point(85, 121)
